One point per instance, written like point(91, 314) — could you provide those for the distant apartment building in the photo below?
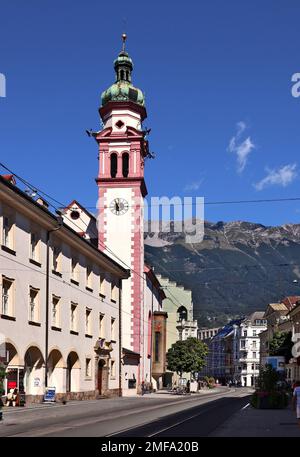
point(246, 349)
point(180, 325)
point(293, 368)
point(281, 318)
point(205, 334)
point(234, 351)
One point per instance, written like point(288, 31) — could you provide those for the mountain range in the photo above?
point(239, 267)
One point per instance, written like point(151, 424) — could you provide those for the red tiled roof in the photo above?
point(153, 278)
point(290, 302)
point(9, 178)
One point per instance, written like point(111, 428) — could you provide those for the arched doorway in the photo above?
point(34, 371)
point(73, 372)
point(101, 371)
point(56, 367)
point(14, 371)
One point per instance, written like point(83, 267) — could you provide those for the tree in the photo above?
point(268, 378)
point(281, 345)
point(187, 356)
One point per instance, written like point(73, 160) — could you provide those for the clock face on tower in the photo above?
point(119, 206)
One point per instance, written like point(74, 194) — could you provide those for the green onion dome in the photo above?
point(123, 89)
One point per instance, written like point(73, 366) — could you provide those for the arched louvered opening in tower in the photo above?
point(182, 313)
point(125, 164)
point(113, 165)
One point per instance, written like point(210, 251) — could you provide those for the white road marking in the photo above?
point(246, 406)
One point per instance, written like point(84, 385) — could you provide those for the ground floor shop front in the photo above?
point(68, 374)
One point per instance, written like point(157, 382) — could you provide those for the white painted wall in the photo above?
point(22, 334)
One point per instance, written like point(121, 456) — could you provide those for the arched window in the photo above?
point(113, 165)
point(122, 74)
point(182, 313)
point(125, 164)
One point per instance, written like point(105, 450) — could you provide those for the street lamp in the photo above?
point(60, 222)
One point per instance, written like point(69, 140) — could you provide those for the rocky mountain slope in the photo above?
point(237, 268)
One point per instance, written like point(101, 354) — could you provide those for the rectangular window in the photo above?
point(7, 296)
point(243, 344)
point(101, 326)
point(33, 304)
point(74, 269)
point(254, 332)
point(254, 344)
point(112, 369)
point(254, 355)
point(56, 259)
point(89, 282)
point(34, 239)
point(102, 286)
point(157, 344)
point(7, 232)
point(73, 323)
point(88, 367)
point(88, 321)
point(245, 332)
point(55, 311)
point(113, 291)
point(113, 329)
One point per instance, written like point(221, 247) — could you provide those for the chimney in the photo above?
point(42, 202)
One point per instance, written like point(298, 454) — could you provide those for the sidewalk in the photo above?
point(260, 422)
point(160, 393)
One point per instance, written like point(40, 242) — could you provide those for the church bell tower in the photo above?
point(122, 151)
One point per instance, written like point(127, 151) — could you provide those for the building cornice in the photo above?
point(122, 105)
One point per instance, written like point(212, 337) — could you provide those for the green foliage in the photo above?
point(268, 378)
point(269, 400)
point(281, 345)
point(210, 381)
point(187, 356)
point(270, 393)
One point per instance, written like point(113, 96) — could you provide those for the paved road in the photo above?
point(198, 421)
point(198, 415)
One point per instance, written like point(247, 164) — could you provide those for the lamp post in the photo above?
point(60, 224)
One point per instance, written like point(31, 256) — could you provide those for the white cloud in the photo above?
point(193, 186)
point(278, 177)
point(242, 149)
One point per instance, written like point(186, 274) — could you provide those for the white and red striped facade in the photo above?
point(122, 235)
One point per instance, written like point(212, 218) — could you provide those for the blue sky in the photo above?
point(217, 79)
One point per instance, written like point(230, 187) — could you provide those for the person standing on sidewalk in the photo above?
point(296, 400)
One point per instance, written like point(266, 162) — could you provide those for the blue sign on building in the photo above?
point(49, 394)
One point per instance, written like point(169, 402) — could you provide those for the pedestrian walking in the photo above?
point(296, 400)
